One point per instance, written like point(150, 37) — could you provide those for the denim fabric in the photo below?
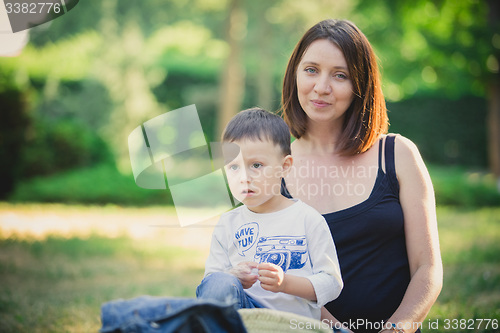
point(147, 314)
point(225, 287)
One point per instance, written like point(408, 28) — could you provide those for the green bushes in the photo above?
point(103, 184)
point(53, 136)
point(60, 145)
point(14, 120)
point(454, 186)
point(447, 132)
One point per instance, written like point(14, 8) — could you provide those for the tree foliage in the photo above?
point(111, 65)
point(430, 47)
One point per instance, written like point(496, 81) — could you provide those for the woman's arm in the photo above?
point(422, 242)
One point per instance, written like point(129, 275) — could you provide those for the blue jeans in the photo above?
point(147, 314)
point(225, 287)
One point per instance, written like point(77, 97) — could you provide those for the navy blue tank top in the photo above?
point(371, 249)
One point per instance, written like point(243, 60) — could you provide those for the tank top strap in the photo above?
point(380, 141)
point(390, 164)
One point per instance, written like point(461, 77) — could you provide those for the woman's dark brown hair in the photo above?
point(366, 118)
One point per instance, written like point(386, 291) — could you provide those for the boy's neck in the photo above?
point(276, 204)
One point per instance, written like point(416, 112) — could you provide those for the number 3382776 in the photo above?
point(470, 324)
point(32, 7)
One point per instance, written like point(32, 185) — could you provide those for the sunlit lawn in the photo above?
point(57, 284)
point(470, 245)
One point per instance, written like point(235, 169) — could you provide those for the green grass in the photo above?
point(470, 246)
point(58, 284)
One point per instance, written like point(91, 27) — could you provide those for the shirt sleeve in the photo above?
point(326, 278)
point(218, 258)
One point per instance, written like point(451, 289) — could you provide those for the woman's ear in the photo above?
point(287, 164)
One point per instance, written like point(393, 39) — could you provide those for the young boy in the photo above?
point(272, 251)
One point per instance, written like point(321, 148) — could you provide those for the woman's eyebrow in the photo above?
point(310, 63)
point(305, 63)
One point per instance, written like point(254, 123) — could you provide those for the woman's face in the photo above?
point(324, 87)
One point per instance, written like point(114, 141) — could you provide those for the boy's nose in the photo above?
point(245, 176)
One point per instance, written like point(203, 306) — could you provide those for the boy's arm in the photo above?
point(326, 278)
point(272, 278)
point(218, 258)
point(219, 261)
point(325, 283)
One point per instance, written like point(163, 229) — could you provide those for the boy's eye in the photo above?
point(233, 167)
point(256, 165)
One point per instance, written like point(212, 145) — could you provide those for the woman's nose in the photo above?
point(323, 86)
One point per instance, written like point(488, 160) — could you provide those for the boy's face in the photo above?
point(254, 176)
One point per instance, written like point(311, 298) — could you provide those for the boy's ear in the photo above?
point(287, 164)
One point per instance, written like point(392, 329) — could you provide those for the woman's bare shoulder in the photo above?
point(407, 157)
point(405, 148)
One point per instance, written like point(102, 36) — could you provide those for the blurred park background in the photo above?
point(76, 231)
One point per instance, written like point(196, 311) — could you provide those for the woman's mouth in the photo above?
point(319, 103)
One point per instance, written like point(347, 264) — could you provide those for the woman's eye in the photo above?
point(310, 70)
point(341, 76)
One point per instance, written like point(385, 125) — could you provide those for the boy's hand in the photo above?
point(243, 271)
point(271, 277)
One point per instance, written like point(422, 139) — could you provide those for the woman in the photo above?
point(373, 189)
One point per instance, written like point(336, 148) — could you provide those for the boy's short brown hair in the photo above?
point(256, 124)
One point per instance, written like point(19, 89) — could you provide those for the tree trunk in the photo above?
point(265, 72)
point(494, 130)
point(233, 73)
point(494, 99)
point(121, 70)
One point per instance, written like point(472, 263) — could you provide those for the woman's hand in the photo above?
point(243, 271)
point(271, 277)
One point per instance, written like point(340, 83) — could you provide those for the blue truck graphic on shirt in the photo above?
point(288, 252)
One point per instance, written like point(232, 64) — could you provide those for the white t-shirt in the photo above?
point(296, 238)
